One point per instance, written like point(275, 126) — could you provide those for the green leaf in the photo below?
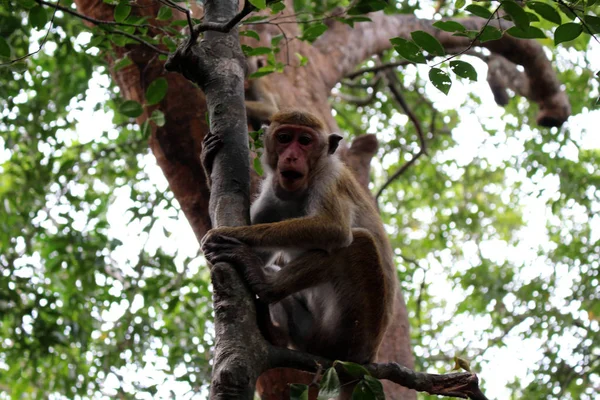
point(303, 60)
point(428, 43)
point(350, 21)
point(255, 18)
point(145, 129)
point(376, 387)
point(566, 32)
point(122, 63)
point(314, 31)
point(277, 7)
point(256, 51)
point(362, 391)
point(463, 69)
point(131, 109)
point(4, 48)
point(532, 17)
point(258, 166)
point(450, 26)
point(122, 11)
point(28, 4)
point(275, 40)
point(170, 43)
point(459, 4)
point(479, 11)
point(592, 22)
point(408, 50)
point(490, 33)
point(518, 15)
point(156, 91)
point(260, 4)
point(530, 33)
point(367, 6)
point(355, 370)
point(158, 117)
point(165, 13)
point(298, 391)
point(546, 11)
point(262, 71)
point(440, 80)
point(38, 17)
point(330, 385)
point(250, 33)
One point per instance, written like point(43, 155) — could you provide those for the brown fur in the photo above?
point(334, 294)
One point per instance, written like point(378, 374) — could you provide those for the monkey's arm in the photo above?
point(307, 270)
point(314, 232)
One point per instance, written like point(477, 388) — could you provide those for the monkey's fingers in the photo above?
point(210, 147)
point(219, 248)
point(215, 238)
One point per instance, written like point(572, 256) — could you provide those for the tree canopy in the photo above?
point(493, 217)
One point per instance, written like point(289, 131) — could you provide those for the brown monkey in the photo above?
point(334, 291)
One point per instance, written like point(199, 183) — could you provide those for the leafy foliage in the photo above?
point(87, 308)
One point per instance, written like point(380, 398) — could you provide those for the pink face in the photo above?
point(296, 147)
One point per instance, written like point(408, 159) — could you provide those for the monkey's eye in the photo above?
point(304, 140)
point(284, 137)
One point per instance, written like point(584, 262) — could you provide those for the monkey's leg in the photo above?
point(346, 294)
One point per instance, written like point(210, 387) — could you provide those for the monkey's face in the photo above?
point(297, 148)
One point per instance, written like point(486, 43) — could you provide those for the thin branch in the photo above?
point(399, 172)
point(475, 39)
point(99, 22)
point(218, 27)
point(43, 40)
point(459, 384)
point(358, 85)
point(377, 68)
point(393, 84)
point(186, 11)
point(361, 101)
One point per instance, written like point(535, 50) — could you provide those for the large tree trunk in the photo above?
point(177, 144)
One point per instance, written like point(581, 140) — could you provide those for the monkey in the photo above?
point(332, 293)
point(259, 98)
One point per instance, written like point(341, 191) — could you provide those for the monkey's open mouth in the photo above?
point(291, 175)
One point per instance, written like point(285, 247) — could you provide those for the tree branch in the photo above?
point(461, 384)
point(56, 6)
point(338, 44)
point(107, 23)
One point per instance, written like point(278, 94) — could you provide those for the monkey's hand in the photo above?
point(210, 147)
point(219, 248)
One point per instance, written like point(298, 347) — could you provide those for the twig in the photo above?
point(474, 39)
point(217, 27)
point(98, 22)
point(459, 384)
point(377, 68)
point(358, 85)
point(393, 86)
point(43, 40)
point(392, 81)
point(399, 172)
point(186, 11)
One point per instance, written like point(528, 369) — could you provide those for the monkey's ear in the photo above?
point(334, 141)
